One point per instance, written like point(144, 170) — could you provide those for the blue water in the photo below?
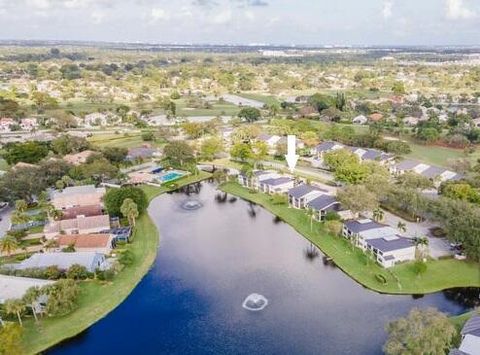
point(212, 258)
point(170, 176)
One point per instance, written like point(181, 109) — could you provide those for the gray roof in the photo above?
point(75, 190)
point(372, 154)
point(12, 287)
point(356, 226)
point(90, 260)
point(432, 172)
point(302, 190)
point(407, 164)
point(277, 181)
point(325, 146)
point(322, 202)
point(390, 244)
point(456, 352)
point(472, 326)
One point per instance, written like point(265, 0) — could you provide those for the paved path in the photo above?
point(5, 222)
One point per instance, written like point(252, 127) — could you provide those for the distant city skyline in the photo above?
point(287, 22)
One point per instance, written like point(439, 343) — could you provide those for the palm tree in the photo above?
point(21, 205)
point(129, 209)
point(311, 214)
point(421, 244)
point(402, 226)
point(8, 244)
point(15, 307)
point(31, 299)
point(50, 244)
point(378, 214)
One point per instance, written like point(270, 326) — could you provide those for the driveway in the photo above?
point(438, 246)
point(5, 222)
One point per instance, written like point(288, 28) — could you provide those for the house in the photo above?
point(6, 123)
point(257, 176)
point(90, 260)
point(323, 204)
point(470, 333)
point(279, 185)
point(77, 196)
point(384, 243)
point(79, 158)
point(142, 153)
point(375, 117)
point(96, 119)
point(28, 124)
point(97, 243)
point(271, 141)
point(13, 287)
point(86, 211)
point(121, 234)
point(360, 120)
point(300, 195)
point(326, 147)
point(79, 225)
point(434, 173)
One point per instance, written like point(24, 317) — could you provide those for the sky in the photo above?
point(340, 22)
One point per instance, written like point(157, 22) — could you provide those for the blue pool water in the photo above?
point(211, 258)
point(170, 176)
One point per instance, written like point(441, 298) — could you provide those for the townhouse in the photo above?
point(77, 196)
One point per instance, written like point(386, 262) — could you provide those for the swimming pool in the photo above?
point(170, 176)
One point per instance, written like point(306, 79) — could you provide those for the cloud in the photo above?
point(158, 14)
point(457, 10)
point(39, 4)
point(222, 17)
point(98, 16)
point(387, 9)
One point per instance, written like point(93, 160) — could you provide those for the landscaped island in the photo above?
point(97, 299)
point(402, 279)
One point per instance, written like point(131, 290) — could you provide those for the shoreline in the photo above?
point(50, 332)
point(353, 262)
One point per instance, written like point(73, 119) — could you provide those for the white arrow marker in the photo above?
point(291, 156)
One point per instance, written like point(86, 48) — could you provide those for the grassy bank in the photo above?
point(98, 299)
point(401, 279)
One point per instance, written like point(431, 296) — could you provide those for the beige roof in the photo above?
point(79, 158)
point(80, 223)
point(85, 240)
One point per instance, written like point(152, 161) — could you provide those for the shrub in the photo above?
point(127, 258)
point(381, 278)
point(106, 275)
point(419, 267)
point(77, 272)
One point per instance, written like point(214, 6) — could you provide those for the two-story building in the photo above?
point(300, 195)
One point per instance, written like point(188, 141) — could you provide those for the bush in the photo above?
point(77, 272)
point(419, 267)
point(332, 216)
point(382, 279)
point(106, 275)
point(148, 136)
point(114, 199)
point(127, 258)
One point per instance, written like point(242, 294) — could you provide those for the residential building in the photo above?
point(97, 243)
point(279, 185)
point(79, 158)
point(470, 333)
point(300, 195)
point(385, 243)
point(13, 287)
point(28, 124)
point(77, 196)
point(434, 173)
point(323, 204)
point(92, 261)
point(5, 124)
point(361, 119)
point(79, 225)
point(86, 211)
point(256, 178)
point(271, 141)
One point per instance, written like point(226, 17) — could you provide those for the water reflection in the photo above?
point(311, 252)
point(467, 297)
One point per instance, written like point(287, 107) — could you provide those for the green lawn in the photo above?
point(440, 275)
point(97, 299)
point(434, 155)
point(132, 140)
point(266, 99)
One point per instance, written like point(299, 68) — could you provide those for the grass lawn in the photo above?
point(132, 140)
point(97, 299)
point(266, 99)
point(434, 155)
point(401, 279)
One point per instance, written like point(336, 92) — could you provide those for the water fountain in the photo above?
point(191, 205)
point(255, 302)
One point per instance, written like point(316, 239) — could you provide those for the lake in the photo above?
point(211, 258)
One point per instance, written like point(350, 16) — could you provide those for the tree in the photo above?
point(30, 298)
point(193, 129)
point(19, 217)
point(241, 151)
point(99, 169)
point(8, 244)
point(62, 297)
point(8, 107)
point(311, 214)
point(357, 198)
point(413, 180)
point(11, 339)
point(15, 307)
point(321, 102)
point(114, 199)
point(421, 332)
point(115, 154)
point(67, 144)
point(398, 88)
point(378, 214)
point(29, 152)
point(179, 153)
point(148, 136)
point(461, 191)
point(43, 101)
point(334, 160)
point(421, 245)
point(129, 210)
point(334, 227)
point(211, 147)
point(402, 226)
point(259, 152)
point(21, 183)
point(250, 114)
